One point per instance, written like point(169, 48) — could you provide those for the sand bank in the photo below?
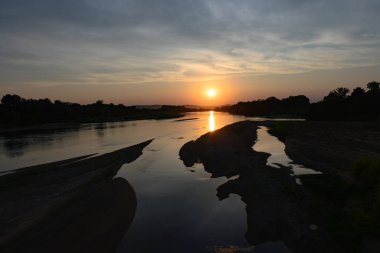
point(73, 205)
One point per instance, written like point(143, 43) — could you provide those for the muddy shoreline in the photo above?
point(326, 146)
point(48, 207)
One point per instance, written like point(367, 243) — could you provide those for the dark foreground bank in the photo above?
point(349, 189)
point(73, 205)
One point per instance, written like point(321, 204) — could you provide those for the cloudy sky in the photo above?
point(170, 51)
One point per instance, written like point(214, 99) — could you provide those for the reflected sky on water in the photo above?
point(177, 207)
point(25, 150)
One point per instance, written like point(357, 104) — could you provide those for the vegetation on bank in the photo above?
point(339, 105)
point(293, 106)
point(348, 198)
point(352, 211)
point(18, 111)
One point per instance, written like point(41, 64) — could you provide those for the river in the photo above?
point(177, 207)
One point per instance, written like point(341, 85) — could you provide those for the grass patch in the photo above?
point(328, 185)
point(367, 172)
point(351, 211)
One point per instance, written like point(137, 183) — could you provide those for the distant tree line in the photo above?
point(293, 106)
point(18, 111)
point(341, 104)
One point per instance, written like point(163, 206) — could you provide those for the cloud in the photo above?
point(136, 41)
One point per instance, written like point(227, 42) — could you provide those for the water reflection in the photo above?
point(101, 129)
point(211, 121)
point(178, 210)
point(272, 208)
point(34, 147)
point(278, 158)
point(173, 203)
point(15, 148)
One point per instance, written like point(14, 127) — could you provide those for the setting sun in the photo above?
point(211, 92)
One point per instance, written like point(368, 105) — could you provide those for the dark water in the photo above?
point(177, 207)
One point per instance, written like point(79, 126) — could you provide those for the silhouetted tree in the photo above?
point(358, 92)
point(99, 102)
point(15, 110)
point(338, 105)
point(338, 93)
point(11, 100)
point(373, 86)
point(295, 106)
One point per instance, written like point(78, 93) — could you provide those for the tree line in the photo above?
point(293, 106)
point(362, 104)
point(18, 111)
point(342, 104)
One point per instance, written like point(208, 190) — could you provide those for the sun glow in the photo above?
point(211, 93)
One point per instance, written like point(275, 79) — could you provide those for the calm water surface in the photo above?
point(269, 144)
point(177, 207)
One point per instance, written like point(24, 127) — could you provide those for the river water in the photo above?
point(177, 207)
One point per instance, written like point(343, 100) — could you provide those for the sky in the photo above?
point(172, 51)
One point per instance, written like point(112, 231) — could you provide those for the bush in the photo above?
point(367, 172)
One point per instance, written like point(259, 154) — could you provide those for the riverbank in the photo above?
point(326, 146)
point(348, 154)
point(46, 208)
point(16, 112)
point(275, 203)
point(312, 217)
point(9, 130)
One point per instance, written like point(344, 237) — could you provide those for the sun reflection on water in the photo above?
point(211, 121)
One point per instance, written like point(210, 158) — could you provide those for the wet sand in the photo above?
point(73, 205)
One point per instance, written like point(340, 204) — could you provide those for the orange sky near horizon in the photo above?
point(145, 52)
point(230, 90)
